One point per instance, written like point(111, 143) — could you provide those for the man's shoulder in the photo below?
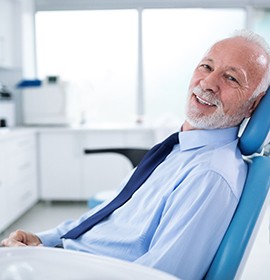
point(228, 163)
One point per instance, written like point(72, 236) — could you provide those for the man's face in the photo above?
point(222, 84)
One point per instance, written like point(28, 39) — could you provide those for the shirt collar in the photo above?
point(198, 138)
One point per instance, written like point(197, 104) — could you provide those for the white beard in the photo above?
point(216, 120)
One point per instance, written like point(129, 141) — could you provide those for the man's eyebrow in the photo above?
point(234, 69)
point(237, 70)
point(208, 59)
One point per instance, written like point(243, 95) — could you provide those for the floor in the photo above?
point(45, 215)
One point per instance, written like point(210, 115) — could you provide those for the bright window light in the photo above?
point(174, 42)
point(96, 51)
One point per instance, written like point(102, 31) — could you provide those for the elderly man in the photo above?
point(176, 218)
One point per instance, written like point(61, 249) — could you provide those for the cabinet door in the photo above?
point(18, 176)
point(21, 174)
point(60, 166)
point(3, 189)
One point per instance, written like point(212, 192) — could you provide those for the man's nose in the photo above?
point(210, 82)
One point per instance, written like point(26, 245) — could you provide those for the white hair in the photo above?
point(251, 36)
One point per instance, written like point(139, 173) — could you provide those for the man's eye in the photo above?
point(206, 66)
point(231, 78)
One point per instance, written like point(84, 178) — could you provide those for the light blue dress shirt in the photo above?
point(177, 218)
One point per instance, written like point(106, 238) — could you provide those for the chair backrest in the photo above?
point(234, 244)
point(257, 129)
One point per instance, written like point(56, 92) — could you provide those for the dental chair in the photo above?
point(233, 251)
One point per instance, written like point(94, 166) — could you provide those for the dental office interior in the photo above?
point(79, 75)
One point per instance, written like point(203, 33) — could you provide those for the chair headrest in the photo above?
point(257, 128)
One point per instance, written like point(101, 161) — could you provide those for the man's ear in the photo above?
point(254, 104)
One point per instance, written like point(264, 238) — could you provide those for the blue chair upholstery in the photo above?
point(257, 129)
point(234, 244)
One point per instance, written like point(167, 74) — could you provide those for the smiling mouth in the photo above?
point(203, 102)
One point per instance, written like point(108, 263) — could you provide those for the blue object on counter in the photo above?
point(29, 83)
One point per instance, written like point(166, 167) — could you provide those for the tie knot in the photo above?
point(171, 140)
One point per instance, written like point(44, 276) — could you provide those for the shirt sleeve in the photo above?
point(52, 237)
point(191, 226)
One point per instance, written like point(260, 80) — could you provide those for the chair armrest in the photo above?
point(135, 155)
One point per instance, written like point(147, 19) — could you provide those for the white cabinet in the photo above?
point(18, 175)
point(66, 173)
point(60, 165)
point(7, 33)
point(21, 177)
point(3, 192)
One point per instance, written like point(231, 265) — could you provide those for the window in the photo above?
point(261, 23)
point(98, 52)
point(174, 42)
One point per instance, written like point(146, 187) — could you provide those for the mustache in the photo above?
point(207, 95)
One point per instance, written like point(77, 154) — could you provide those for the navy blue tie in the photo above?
point(145, 168)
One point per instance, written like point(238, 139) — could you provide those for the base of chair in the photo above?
point(99, 198)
